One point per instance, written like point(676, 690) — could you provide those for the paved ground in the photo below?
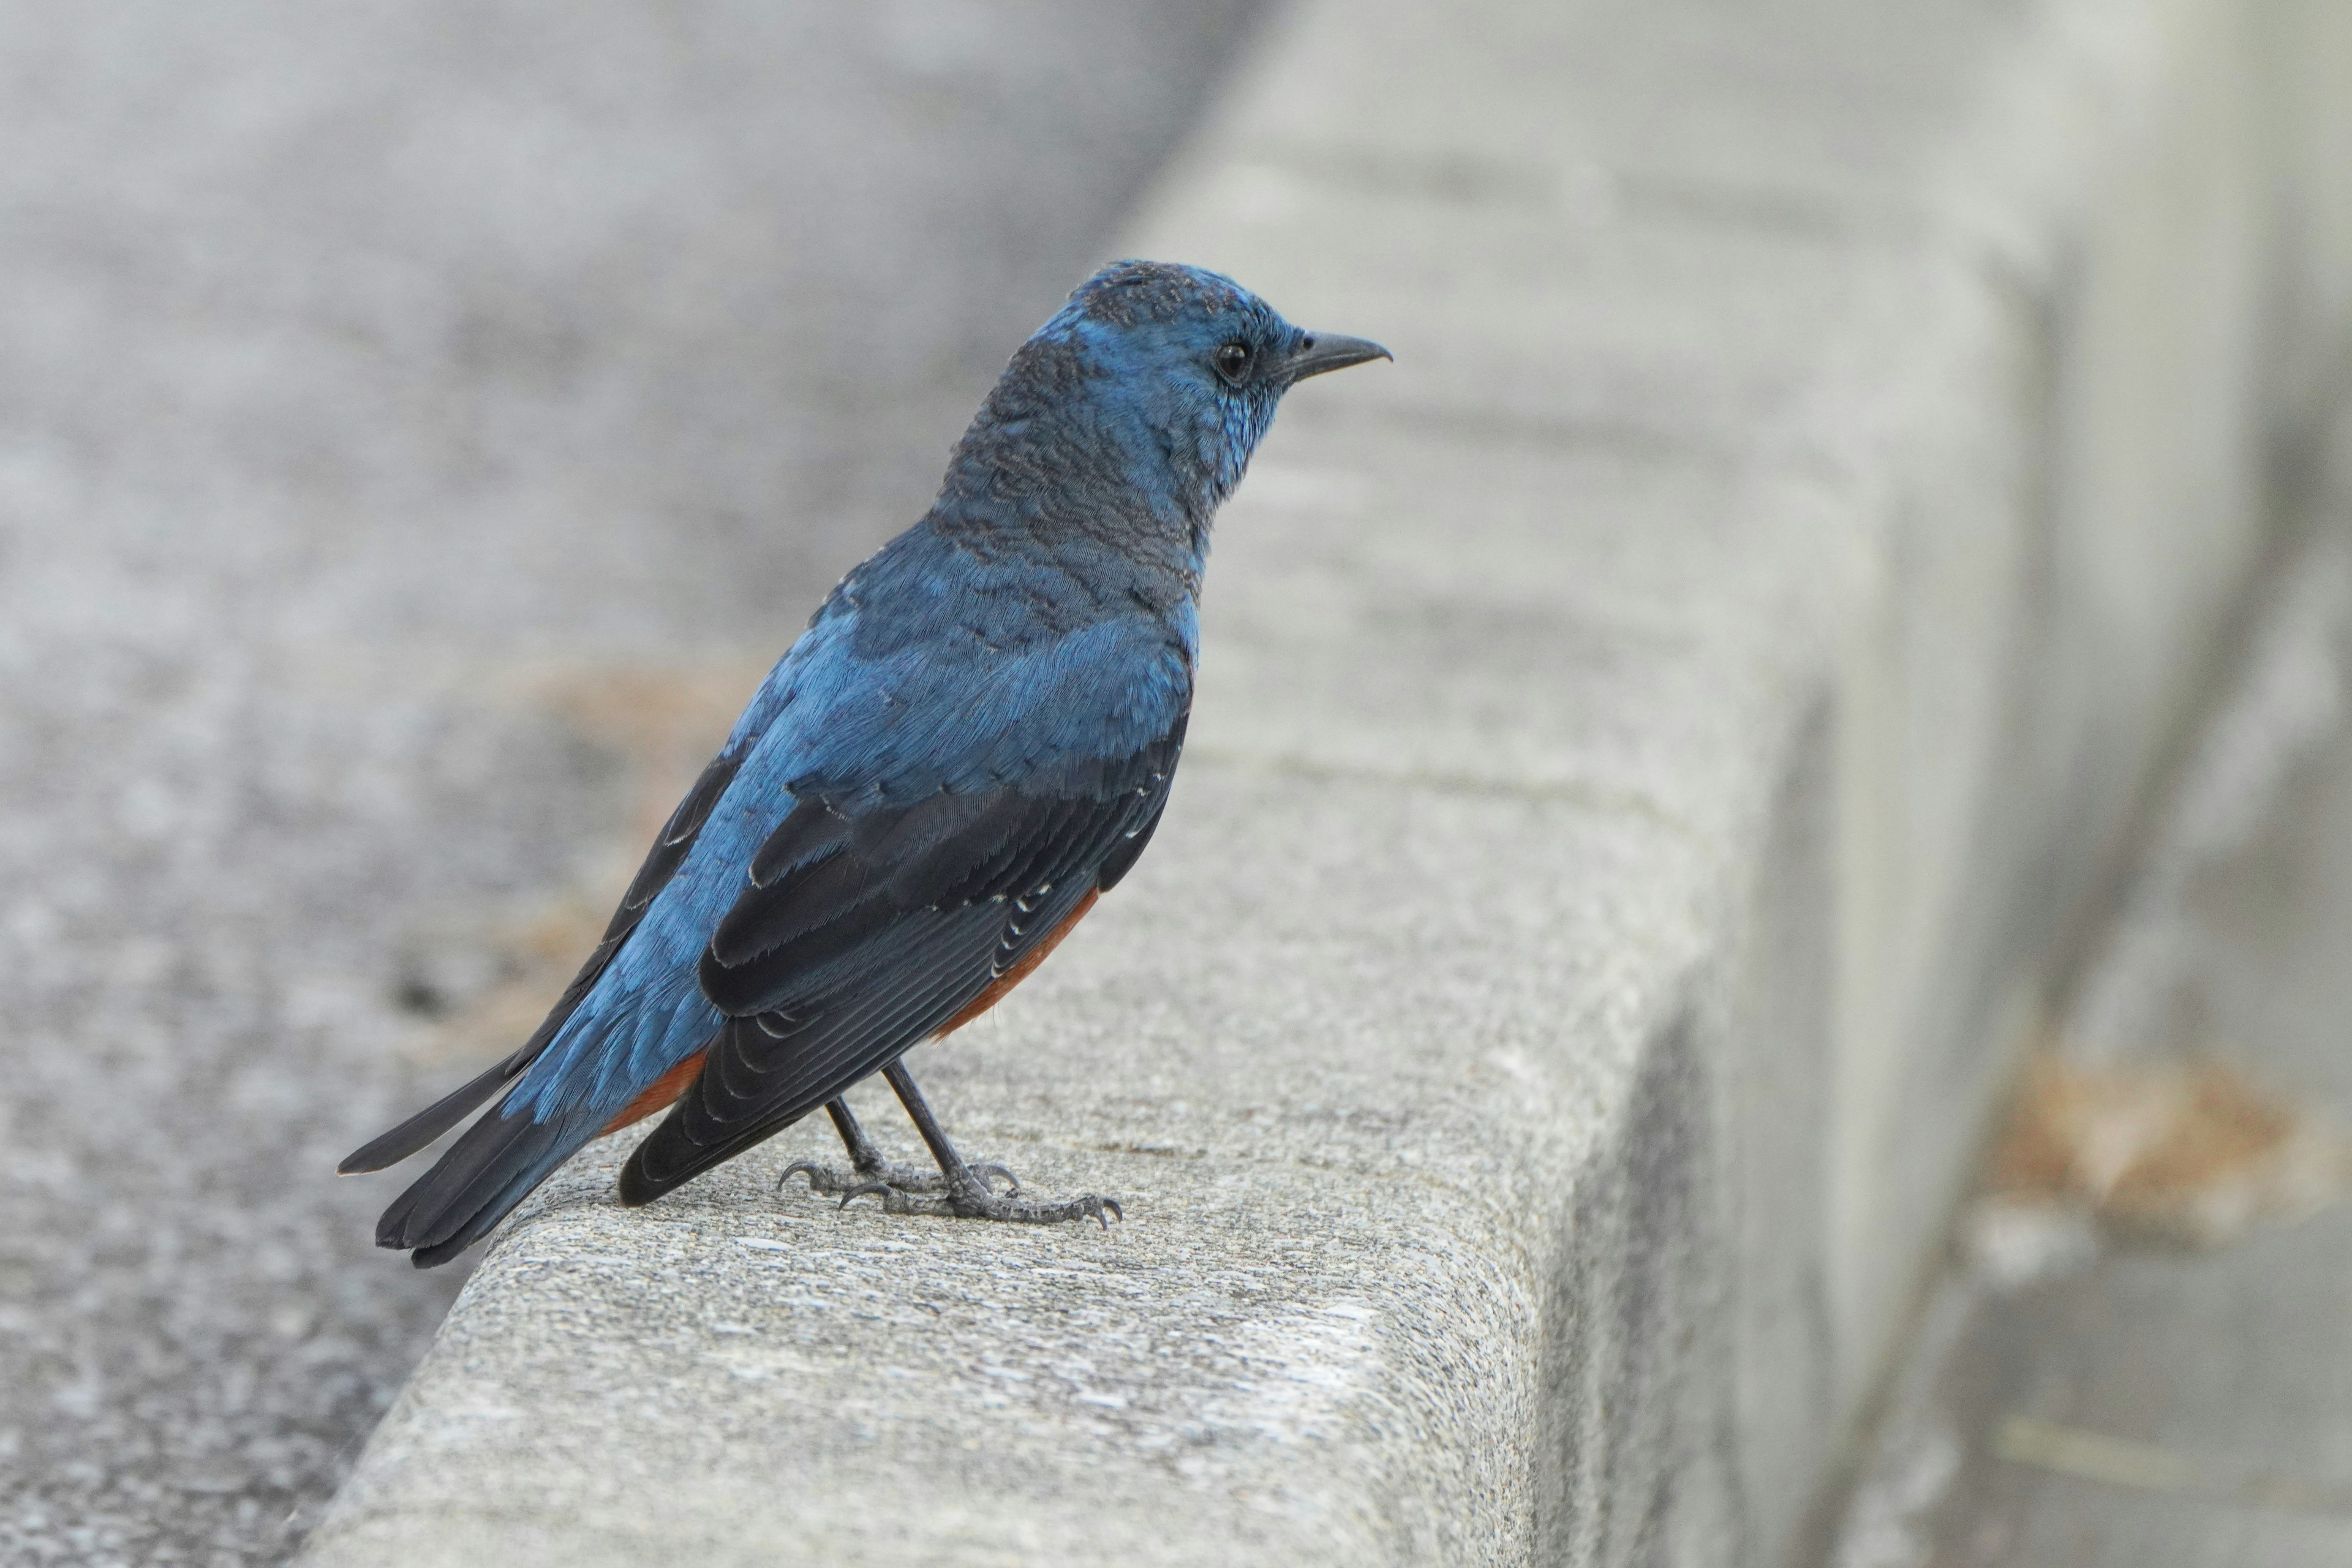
point(358, 368)
point(2095, 1393)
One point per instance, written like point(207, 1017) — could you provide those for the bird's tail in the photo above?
point(522, 1137)
point(488, 1171)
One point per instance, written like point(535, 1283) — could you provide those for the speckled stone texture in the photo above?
point(1653, 743)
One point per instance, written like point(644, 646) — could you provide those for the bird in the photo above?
point(973, 741)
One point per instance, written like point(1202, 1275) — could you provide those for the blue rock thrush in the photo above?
point(971, 743)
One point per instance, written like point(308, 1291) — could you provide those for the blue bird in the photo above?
point(970, 743)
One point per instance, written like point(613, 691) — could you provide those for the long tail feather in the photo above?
point(429, 1123)
point(470, 1189)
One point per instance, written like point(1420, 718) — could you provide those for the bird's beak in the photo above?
point(1330, 351)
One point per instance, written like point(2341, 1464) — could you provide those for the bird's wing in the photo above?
point(669, 851)
point(862, 932)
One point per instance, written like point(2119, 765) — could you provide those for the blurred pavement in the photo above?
point(2152, 1374)
point(362, 371)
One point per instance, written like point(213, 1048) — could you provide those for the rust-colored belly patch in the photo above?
point(1019, 972)
point(659, 1094)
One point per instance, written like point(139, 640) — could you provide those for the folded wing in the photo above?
point(865, 927)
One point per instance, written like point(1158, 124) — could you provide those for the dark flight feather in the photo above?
point(861, 943)
point(829, 892)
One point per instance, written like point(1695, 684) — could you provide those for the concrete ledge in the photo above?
point(1650, 746)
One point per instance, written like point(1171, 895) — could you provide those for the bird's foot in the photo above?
point(871, 1175)
point(970, 1199)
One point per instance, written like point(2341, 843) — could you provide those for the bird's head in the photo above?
point(1197, 334)
point(1161, 377)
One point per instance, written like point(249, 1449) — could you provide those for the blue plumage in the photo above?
point(974, 738)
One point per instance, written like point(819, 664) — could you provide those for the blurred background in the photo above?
point(419, 425)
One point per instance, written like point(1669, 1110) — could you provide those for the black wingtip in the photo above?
point(638, 1187)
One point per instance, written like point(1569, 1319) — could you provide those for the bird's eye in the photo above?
point(1233, 362)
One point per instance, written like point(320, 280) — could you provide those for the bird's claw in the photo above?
point(970, 1194)
point(986, 1172)
point(821, 1177)
point(1104, 1210)
point(885, 1188)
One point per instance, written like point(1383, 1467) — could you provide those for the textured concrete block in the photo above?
point(1318, 1333)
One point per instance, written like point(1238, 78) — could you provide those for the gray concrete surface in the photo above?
point(355, 364)
point(1650, 750)
point(2085, 1397)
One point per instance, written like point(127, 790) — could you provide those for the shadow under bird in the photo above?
point(971, 743)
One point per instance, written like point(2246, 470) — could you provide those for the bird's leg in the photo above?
point(967, 1195)
point(868, 1168)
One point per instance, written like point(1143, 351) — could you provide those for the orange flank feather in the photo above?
point(665, 1089)
point(659, 1094)
point(1019, 972)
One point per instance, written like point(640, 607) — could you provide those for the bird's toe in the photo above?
point(832, 1182)
point(982, 1204)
